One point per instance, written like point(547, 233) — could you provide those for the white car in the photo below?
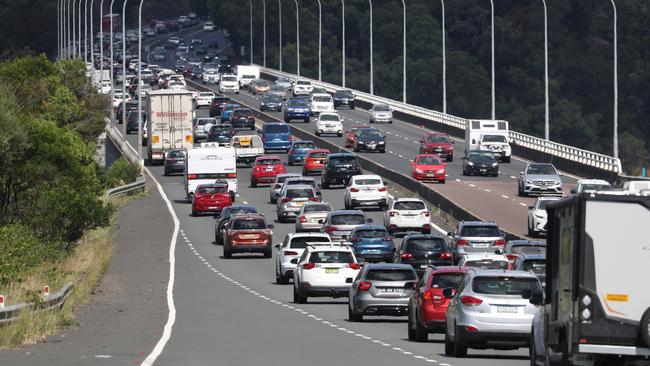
point(407, 214)
point(208, 26)
point(366, 190)
point(485, 261)
point(229, 84)
point(329, 123)
point(302, 87)
point(203, 99)
point(289, 251)
point(537, 216)
point(210, 76)
point(324, 271)
point(175, 85)
point(591, 185)
point(105, 87)
point(381, 113)
point(118, 97)
point(321, 103)
point(177, 78)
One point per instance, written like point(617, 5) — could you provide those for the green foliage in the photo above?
point(21, 251)
point(122, 172)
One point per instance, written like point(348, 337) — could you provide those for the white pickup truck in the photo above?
point(247, 148)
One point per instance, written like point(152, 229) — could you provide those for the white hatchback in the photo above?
point(302, 87)
point(321, 103)
point(407, 214)
point(366, 190)
point(329, 123)
point(229, 83)
point(289, 251)
point(203, 99)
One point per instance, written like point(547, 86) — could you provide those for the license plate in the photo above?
point(424, 265)
point(429, 174)
point(479, 245)
point(507, 309)
point(392, 290)
point(483, 170)
point(249, 236)
point(212, 207)
point(329, 125)
point(332, 270)
point(269, 169)
point(299, 203)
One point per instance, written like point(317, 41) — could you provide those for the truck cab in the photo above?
point(490, 135)
point(595, 309)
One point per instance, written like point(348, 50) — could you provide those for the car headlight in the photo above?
point(381, 142)
point(419, 171)
point(540, 216)
point(495, 164)
point(470, 163)
point(558, 183)
point(440, 171)
point(528, 181)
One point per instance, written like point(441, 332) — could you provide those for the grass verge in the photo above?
point(84, 267)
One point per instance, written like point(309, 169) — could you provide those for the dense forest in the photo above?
point(581, 54)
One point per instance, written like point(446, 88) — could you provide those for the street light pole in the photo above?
point(404, 53)
point(444, 61)
point(124, 67)
point(320, 40)
point(74, 30)
point(112, 59)
point(139, 84)
point(615, 143)
point(372, 80)
point(546, 108)
point(86, 31)
point(343, 43)
point(69, 37)
point(58, 28)
point(492, 47)
point(250, 8)
point(92, 38)
point(80, 18)
point(101, 42)
point(297, 38)
point(264, 33)
point(280, 33)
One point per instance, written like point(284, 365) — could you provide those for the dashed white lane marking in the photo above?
point(487, 190)
point(472, 185)
point(457, 180)
point(504, 196)
point(523, 204)
point(103, 356)
point(513, 177)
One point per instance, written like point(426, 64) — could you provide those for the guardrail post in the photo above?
point(2, 301)
point(46, 291)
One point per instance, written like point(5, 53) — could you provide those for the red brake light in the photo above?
point(425, 213)
point(286, 199)
point(407, 255)
point(461, 242)
point(192, 176)
point(288, 252)
point(427, 295)
point(500, 242)
point(444, 255)
point(393, 213)
point(364, 286)
point(308, 266)
point(330, 229)
point(382, 189)
point(232, 175)
point(263, 138)
point(303, 219)
point(354, 190)
point(315, 199)
point(470, 301)
point(355, 240)
point(354, 265)
point(511, 257)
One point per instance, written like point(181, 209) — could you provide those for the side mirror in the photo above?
point(369, 220)
point(448, 292)
point(270, 226)
point(349, 280)
point(277, 246)
point(321, 222)
point(450, 234)
point(294, 261)
point(533, 207)
point(385, 184)
point(574, 191)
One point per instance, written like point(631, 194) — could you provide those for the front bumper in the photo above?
point(368, 201)
point(482, 170)
point(296, 115)
point(542, 190)
point(370, 147)
point(429, 177)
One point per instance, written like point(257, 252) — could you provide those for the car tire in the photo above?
point(390, 122)
point(409, 328)
point(227, 253)
point(421, 333)
point(339, 134)
point(281, 279)
point(325, 184)
point(317, 133)
point(383, 151)
point(298, 296)
point(306, 120)
point(506, 159)
point(268, 253)
point(449, 345)
point(253, 183)
point(449, 158)
point(645, 328)
point(354, 317)
point(253, 128)
point(442, 181)
point(194, 213)
point(460, 348)
point(356, 149)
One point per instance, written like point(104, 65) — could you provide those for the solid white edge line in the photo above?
point(171, 317)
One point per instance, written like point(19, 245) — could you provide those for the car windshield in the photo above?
point(382, 108)
point(176, 155)
point(276, 129)
point(329, 117)
point(331, 257)
point(494, 138)
point(348, 219)
point(370, 136)
point(504, 285)
point(249, 224)
point(322, 98)
point(297, 103)
point(528, 249)
point(428, 160)
point(386, 274)
point(231, 107)
point(488, 263)
point(419, 245)
point(437, 139)
point(480, 231)
point(240, 209)
point(367, 182)
point(212, 190)
point(318, 154)
point(595, 187)
point(279, 88)
point(537, 266)
point(221, 128)
point(301, 241)
point(343, 94)
point(269, 162)
point(300, 193)
point(303, 82)
point(409, 205)
point(371, 234)
point(541, 170)
point(481, 155)
point(444, 280)
point(317, 208)
point(204, 121)
point(228, 78)
point(270, 98)
point(304, 145)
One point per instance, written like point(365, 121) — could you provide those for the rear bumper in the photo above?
point(427, 177)
point(368, 202)
point(284, 145)
point(264, 178)
point(324, 291)
point(240, 247)
point(386, 256)
point(505, 339)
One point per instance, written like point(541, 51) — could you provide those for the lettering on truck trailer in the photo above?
point(172, 115)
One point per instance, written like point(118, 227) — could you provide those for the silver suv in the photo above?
point(539, 179)
point(476, 237)
point(340, 223)
point(292, 199)
point(488, 311)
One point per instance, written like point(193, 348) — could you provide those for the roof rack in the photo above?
point(313, 245)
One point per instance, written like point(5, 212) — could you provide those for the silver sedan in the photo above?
point(312, 215)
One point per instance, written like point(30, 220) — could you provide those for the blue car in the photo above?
point(227, 111)
point(276, 136)
point(296, 108)
point(299, 151)
point(372, 243)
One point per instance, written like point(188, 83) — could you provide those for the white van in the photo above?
point(246, 74)
point(321, 102)
point(637, 186)
point(208, 164)
point(489, 135)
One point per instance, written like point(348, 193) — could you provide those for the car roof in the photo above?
point(593, 181)
point(422, 236)
point(406, 199)
point(488, 255)
point(242, 206)
point(369, 227)
point(548, 198)
point(480, 272)
point(303, 142)
point(310, 235)
point(341, 155)
point(388, 266)
point(264, 157)
point(525, 256)
point(275, 123)
point(478, 223)
point(523, 242)
point(437, 134)
point(348, 212)
point(367, 176)
point(301, 177)
point(297, 186)
point(212, 185)
point(449, 269)
point(318, 151)
point(249, 215)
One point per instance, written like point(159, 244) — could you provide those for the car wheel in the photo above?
point(317, 133)
point(460, 348)
point(442, 181)
point(383, 151)
point(520, 192)
point(166, 173)
point(226, 252)
point(450, 158)
point(306, 120)
point(194, 213)
point(280, 279)
point(253, 128)
point(354, 317)
point(253, 183)
point(298, 296)
point(356, 149)
point(347, 206)
point(339, 134)
point(326, 184)
point(506, 159)
point(410, 329)
point(390, 122)
point(421, 333)
point(464, 172)
point(268, 253)
point(449, 345)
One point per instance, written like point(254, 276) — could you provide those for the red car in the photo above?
point(427, 306)
point(351, 135)
point(211, 198)
point(428, 167)
point(314, 161)
point(437, 143)
point(265, 168)
point(248, 233)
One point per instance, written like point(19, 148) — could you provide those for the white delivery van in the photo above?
point(637, 186)
point(209, 163)
point(246, 74)
point(170, 114)
point(489, 135)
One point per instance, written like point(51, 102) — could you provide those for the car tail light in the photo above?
point(303, 219)
point(500, 242)
point(354, 190)
point(315, 199)
point(286, 199)
point(393, 213)
point(354, 265)
point(330, 229)
point(461, 242)
point(407, 255)
point(355, 240)
point(232, 175)
point(288, 252)
point(388, 238)
point(192, 176)
point(511, 257)
point(308, 266)
point(470, 301)
point(382, 189)
point(364, 286)
point(427, 295)
point(263, 138)
point(444, 255)
point(425, 213)
point(471, 328)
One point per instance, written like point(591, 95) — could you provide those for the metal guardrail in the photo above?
point(138, 185)
point(569, 153)
point(55, 300)
point(118, 139)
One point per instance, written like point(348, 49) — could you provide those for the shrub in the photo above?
point(21, 251)
point(122, 172)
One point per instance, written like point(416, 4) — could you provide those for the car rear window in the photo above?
point(269, 162)
point(304, 145)
point(301, 242)
point(212, 190)
point(300, 193)
point(391, 275)
point(318, 208)
point(480, 231)
point(424, 245)
point(528, 249)
point(488, 264)
point(348, 219)
point(249, 224)
point(331, 257)
point(409, 205)
point(221, 127)
point(276, 129)
point(343, 161)
point(318, 154)
point(297, 103)
point(444, 280)
point(371, 234)
point(282, 179)
point(329, 117)
point(176, 155)
point(504, 285)
point(367, 182)
point(538, 266)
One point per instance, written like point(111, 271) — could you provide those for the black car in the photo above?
point(271, 102)
point(221, 132)
point(200, 50)
point(224, 69)
point(343, 98)
point(179, 65)
point(174, 162)
point(217, 105)
point(370, 140)
point(130, 106)
point(209, 56)
point(339, 168)
point(196, 72)
point(195, 42)
point(480, 162)
point(224, 219)
point(423, 250)
point(242, 118)
point(132, 121)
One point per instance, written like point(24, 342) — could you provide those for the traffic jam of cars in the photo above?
point(468, 284)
